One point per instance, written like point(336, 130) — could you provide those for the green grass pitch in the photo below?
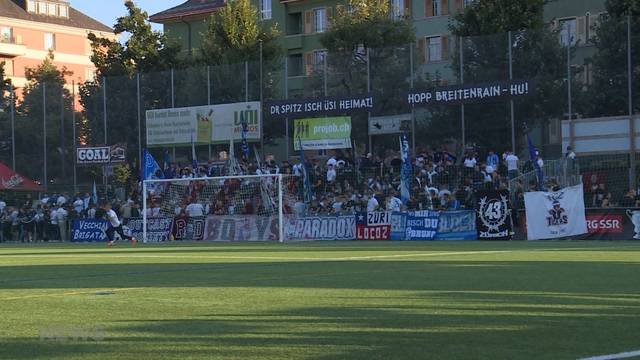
point(321, 300)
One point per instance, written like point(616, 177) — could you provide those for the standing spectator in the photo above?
point(62, 216)
point(78, 205)
point(512, 165)
point(62, 200)
point(195, 209)
point(3, 205)
point(393, 203)
point(493, 160)
point(53, 223)
point(372, 203)
point(571, 155)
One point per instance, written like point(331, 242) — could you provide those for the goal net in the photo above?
point(229, 208)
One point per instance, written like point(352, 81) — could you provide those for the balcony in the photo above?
point(12, 46)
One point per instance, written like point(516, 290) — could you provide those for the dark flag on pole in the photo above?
point(245, 145)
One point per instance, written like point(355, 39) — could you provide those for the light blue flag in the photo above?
point(150, 168)
point(406, 171)
point(94, 196)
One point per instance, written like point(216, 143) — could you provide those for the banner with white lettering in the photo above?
point(494, 215)
point(457, 225)
point(422, 225)
point(158, 229)
point(188, 228)
point(613, 224)
point(320, 227)
point(299, 108)
point(101, 155)
point(89, 230)
point(552, 215)
point(241, 228)
point(471, 93)
point(373, 226)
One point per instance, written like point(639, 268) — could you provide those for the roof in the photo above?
point(15, 9)
point(10, 180)
point(187, 9)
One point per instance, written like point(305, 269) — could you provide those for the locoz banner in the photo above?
point(317, 107)
point(470, 93)
point(493, 215)
point(320, 227)
point(373, 226)
point(552, 215)
point(241, 228)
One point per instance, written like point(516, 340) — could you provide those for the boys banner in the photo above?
point(241, 228)
point(493, 215)
point(320, 227)
point(552, 215)
point(323, 133)
point(203, 124)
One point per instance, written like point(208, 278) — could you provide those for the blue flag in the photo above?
point(307, 194)
point(406, 171)
point(150, 168)
point(94, 197)
point(534, 158)
point(194, 159)
point(245, 146)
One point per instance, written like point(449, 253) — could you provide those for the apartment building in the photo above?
point(29, 29)
point(301, 23)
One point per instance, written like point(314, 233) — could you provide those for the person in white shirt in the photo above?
point(78, 205)
point(372, 204)
point(470, 161)
point(2, 205)
point(394, 204)
point(195, 209)
point(331, 174)
point(512, 165)
point(61, 200)
point(115, 226)
point(62, 216)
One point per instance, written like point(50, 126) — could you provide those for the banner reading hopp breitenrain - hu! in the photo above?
point(323, 133)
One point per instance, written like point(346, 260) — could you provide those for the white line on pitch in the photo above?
point(622, 355)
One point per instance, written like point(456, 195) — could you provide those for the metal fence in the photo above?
point(573, 75)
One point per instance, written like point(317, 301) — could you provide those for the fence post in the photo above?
point(209, 98)
point(73, 130)
point(632, 121)
point(462, 124)
point(368, 91)
point(44, 131)
point(513, 118)
point(13, 129)
point(286, 96)
point(104, 119)
point(413, 115)
point(139, 98)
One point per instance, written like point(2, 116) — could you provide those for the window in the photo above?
point(320, 20)
point(434, 49)
point(49, 41)
point(63, 11)
point(437, 7)
point(89, 74)
point(294, 24)
point(31, 6)
point(51, 9)
point(42, 7)
point(8, 66)
point(295, 65)
point(318, 58)
point(265, 9)
point(6, 34)
point(397, 9)
point(568, 32)
point(466, 3)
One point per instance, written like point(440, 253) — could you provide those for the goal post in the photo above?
point(225, 208)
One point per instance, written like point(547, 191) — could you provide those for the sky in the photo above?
point(107, 11)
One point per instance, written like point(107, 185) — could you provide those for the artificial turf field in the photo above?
point(321, 300)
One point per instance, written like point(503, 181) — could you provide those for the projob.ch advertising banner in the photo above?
point(322, 134)
point(300, 228)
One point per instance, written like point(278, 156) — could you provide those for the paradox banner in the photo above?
point(320, 227)
point(101, 155)
point(317, 107)
point(493, 215)
point(469, 93)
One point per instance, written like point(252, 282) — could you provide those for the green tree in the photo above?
point(608, 94)
point(145, 51)
point(536, 54)
point(45, 93)
point(365, 41)
point(5, 125)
